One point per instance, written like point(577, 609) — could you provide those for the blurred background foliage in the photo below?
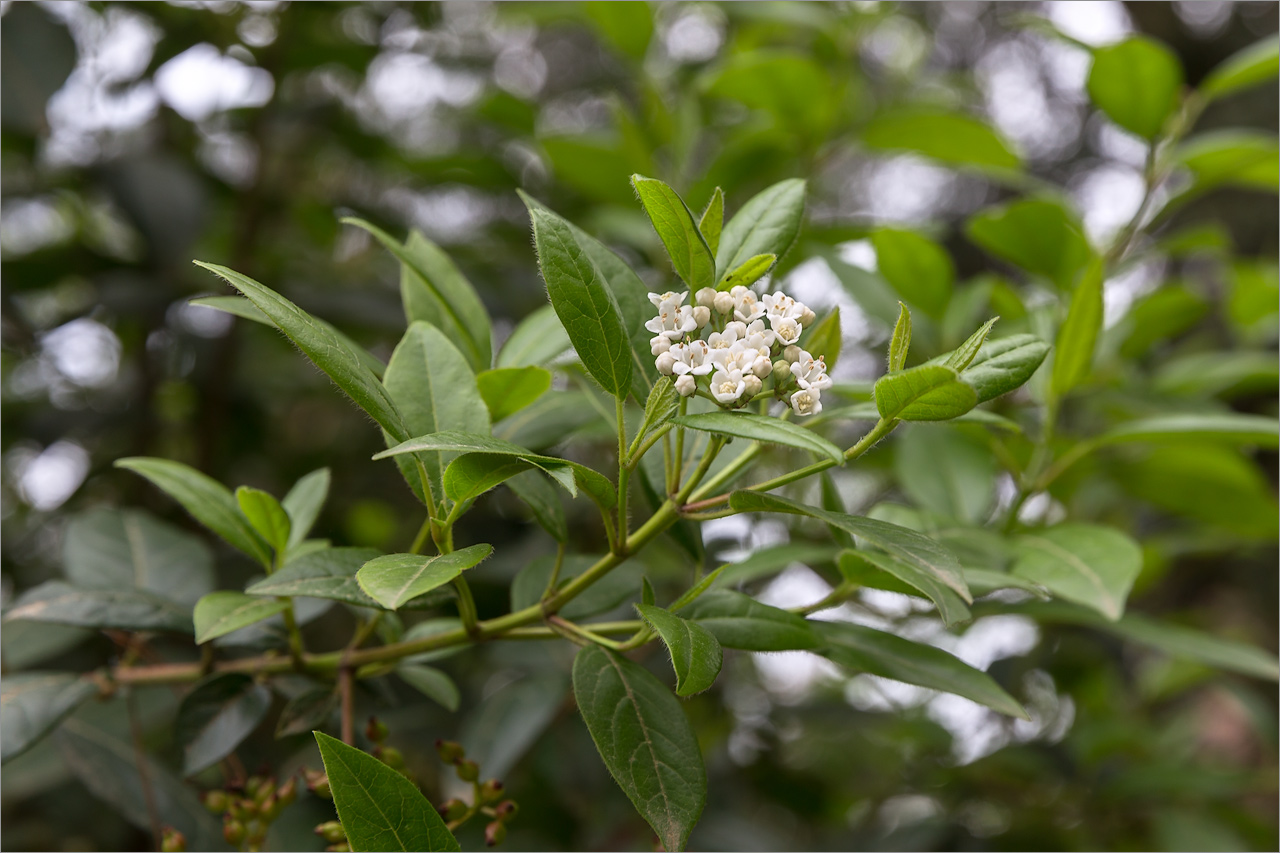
point(137, 136)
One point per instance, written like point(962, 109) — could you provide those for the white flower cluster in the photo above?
point(746, 337)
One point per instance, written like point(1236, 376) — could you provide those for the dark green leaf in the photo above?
point(537, 339)
point(672, 219)
point(304, 502)
point(379, 808)
point(307, 712)
point(766, 225)
point(509, 389)
point(266, 515)
point(1073, 354)
point(738, 621)
point(123, 609)
point(543, 501)
point(604, 595)
point(220, 712)
point(1085, 563)
point(645, 740)
point(888, 656)
point(861, 567)
point(1038, 234)
point(983, 581)
point(472, 474)
point(761, 428)
point(329, 573)
point(929, 392)
point(711, 223)
point(695, 653)
point(1255, 64)
point(918, 268)
point(1137, 83)
point(32, 704)
point(432, 683)
point(945, 136)
point(394, 579)
point(220, 613)
point(114, 549)
point(507, 723)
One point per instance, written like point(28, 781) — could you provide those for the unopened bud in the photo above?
point(266, 788)
point(792, 353)
point(807, 317)
point(288, 792)
point(781, 370)
point(450, 751)
point(318, 783)
point(762, 367)
point(270, 808)
point(659, 344)
point(468, 770)
point(255, 832)
point(706, 297)
point(666, 363)
point(753, 384)
point(506, 810)
point(252, 784)
point(701, 316)
point(686, 385)
point(495, 833)
point(233, 831)
point(453, 809)
point(723, 303)
point(490, 791)
point(172, 841)
point(215, 801)
point(391, 757)
point(376, 730)
point(332, 831)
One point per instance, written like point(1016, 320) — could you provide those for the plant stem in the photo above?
point(624, 471)
point(679, 454)
point(424, 532)
point(634, 456)
point(346, 689)
point(296, 650)
point(555, 573)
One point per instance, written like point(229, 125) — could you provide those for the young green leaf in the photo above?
point(329, 573)
point(121, 609)
point(900, 341)
point(761, 428)
point(543, 501)
point(220, 613)
point(1038, 234)
point(32, 704)
point(748, 273)
point(907, 545)
point(1231, 158)
point(472, 474)
point(1004, 365)
point(929, 392)
point(861, 567)
point(219, 713)
point(888, 656)
point(692, 594)
point(947, 137)
point(1233, 427)
point(118, 549)
point(509, 389)
point(266, 515)
point(434, 290)
point(964, 354)
point(711, 222)
point(1137, 83)
point(304, 502)
point(695, 652)
point(738, 621)
point(1073, 354)
point(672, 219)
point(327, 350)
point(379, 808)
point(660, 407)
point(395, 579)
point(766, 225)
point(584, 304)
point(823, 340)
point(645, 740)
point(208, 501)
point(432, 683)
point(1085, 563)
point(919, 269)
point(537, 340)
point(1257, 63)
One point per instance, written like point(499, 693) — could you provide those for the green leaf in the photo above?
point(122, 609)
point(1236, 158)
point(379, 808)
point(32, 704)
point(208, 501)
point(672, 219)
point(1257, 63)
point(220, 712)
point(304, 502)
point(436, 390)
point(738, 621)
point(629, 27)
point(695, 653)
point(509, 389)
point(434, 290)
point(711, 223)
point(900, 340)
point(1004, 364)
point(761, 428)
point(907, 545)
point(660, 407)
point(888, 656)
point(220, 613)
point(432, 683)
point(1073, 353)
point(1137, 83)
point(948, 137)
point(862, 567)
point(537, 339)
point(1038, 234)
point(394, 579)
point(592, 482)
point(326, 349)
point(748, 273)
point(770, 560)
point(823, 340)
point(583, 302)
point(918, 268)
point(768, 224)
point(543, 501)
point(947, 472)
point(964, 354)
point(795, 93)
point(472, 474)
point(307, 712)
point(507, 723)
point(329, 573)
point(983, 581)
point(603, 596)
point(929, 392)
point(114, 549)
point(1232, 427)
point(266, 515)
point(1085, 563)
point(645, 740)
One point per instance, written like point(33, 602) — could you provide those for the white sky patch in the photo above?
point(201, 81)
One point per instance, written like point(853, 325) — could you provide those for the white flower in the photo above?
point(666, 362)
point(659, 344)
point(693, 357)
point(727, 386)
point(780, 305)
point(807, 401)
point(811, 372)
point(721, 342)
point(762, 367)
point(662, 301)
point(686, 385)
point(739, 328)
point(753, 384)
point(673, 320)
point(787, 329)
point(723, 302)
point(759, 337)
point(746, 308)
point(706, 297)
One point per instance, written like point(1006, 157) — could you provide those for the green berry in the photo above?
point(450, 751)
point(332, 832)
point(495, 833)
point(468, 770)
point(215, 801)
point(173, 841)
point(376, 731)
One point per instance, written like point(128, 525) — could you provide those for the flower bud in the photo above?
point(762, 367)
point(781, 370)
point(659, 344)
point(450, 751)
point(706, 297)
point(490, 791)
point(318, 783)
point(453, 809)
point(172, 841)
point(288, 792)
point(376, 730)
point(391, 757)
point(244, 808)
point(495, 833)
point(338, 848)
point(252, 784)
point(507, 810)
point(666, 363)
point(467, 770)
point(255, 832)
point(686, 385)
point(791, 353)
point(753, 384)
point(215, 801)
point(270, 808)
point(332, 832)
point(723, 303)
point(233, 831)
point(266, 789)
point(701, 316)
